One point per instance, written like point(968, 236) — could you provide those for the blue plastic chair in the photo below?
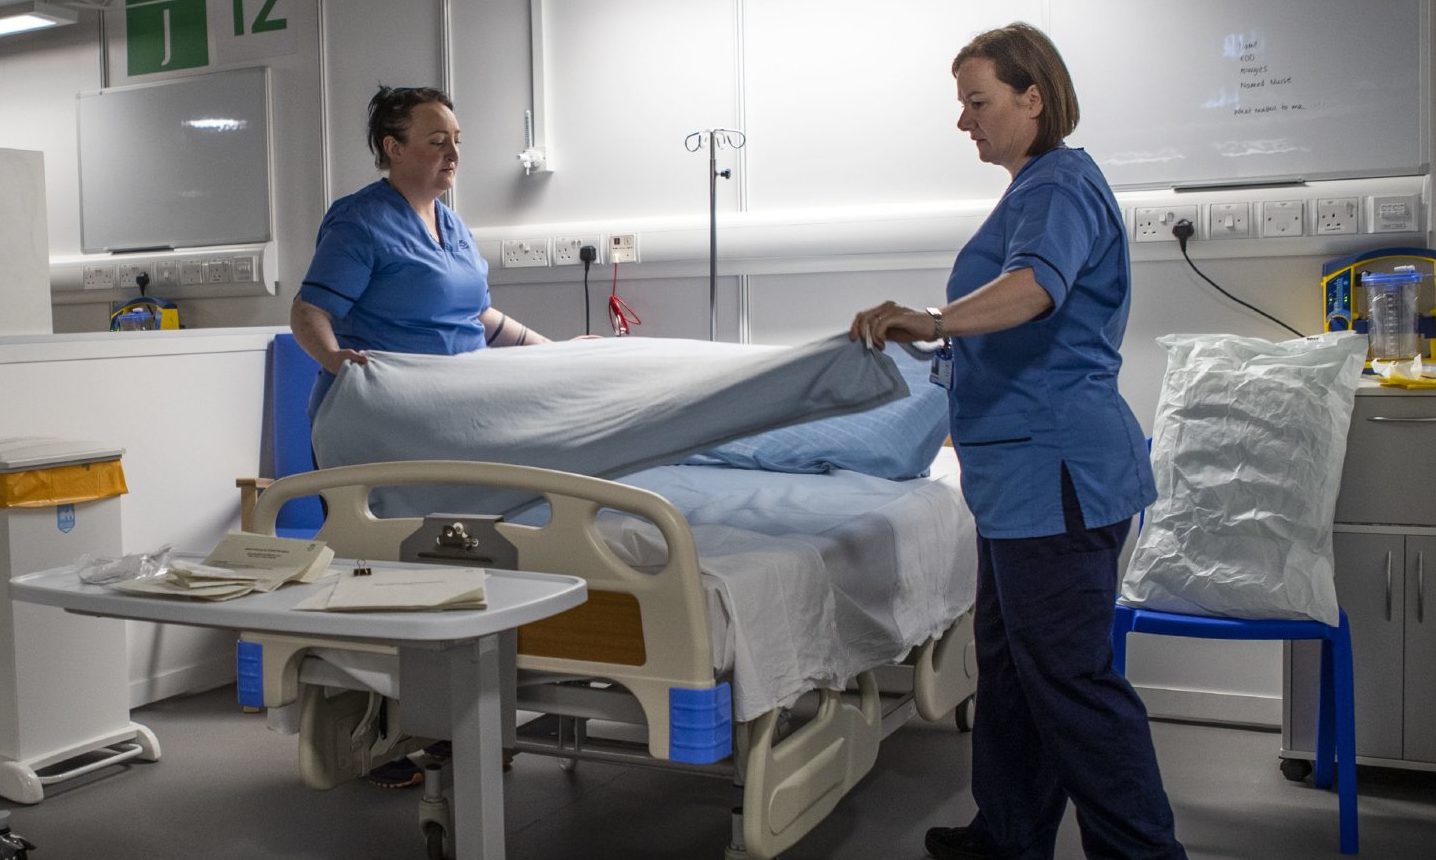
point(1336, 714)
point(291, 377)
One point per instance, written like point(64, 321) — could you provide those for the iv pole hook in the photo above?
point(694, 142)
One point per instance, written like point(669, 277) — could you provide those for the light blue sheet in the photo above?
point(593, 407)
point(896, 441)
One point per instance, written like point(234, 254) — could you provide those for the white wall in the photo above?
point(815, 83)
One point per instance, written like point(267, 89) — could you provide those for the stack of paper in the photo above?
point(399, 590)
point(240, 564)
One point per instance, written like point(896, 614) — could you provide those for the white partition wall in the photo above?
point(24, 244)
point(185, 407)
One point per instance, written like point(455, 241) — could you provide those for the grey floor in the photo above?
point(226, 787)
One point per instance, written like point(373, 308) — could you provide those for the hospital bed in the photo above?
point(689, 571)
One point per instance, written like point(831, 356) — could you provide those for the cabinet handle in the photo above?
point(1402, 420)
point(1420, 587)
point(1388, 586)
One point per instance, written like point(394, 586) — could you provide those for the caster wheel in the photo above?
point(1295, 769)
point(966, 714)
point(568, 765)
point(434, 840)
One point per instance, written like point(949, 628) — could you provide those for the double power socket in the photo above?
point(565, 250)
point(1274, 219)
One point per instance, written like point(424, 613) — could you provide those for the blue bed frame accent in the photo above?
point(249, 673)
point(700, 724)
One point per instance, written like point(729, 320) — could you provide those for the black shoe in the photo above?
point(956, 843)
point(399, 773)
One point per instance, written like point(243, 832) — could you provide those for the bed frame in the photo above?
point(643, 634)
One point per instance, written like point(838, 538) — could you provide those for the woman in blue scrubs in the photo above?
point(1054, 466)
point(394, 269)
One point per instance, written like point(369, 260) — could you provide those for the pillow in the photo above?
point(1247, 448)
point(896, 441)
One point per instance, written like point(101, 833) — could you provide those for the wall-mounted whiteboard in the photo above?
point(1231, 91)
point(179, 163)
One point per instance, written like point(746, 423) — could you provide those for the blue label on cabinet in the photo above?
point(65, 518)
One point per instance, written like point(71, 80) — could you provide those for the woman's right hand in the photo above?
point(890, 321)
point(334, 360)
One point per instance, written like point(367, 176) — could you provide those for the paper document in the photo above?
point(271, 561)
point(399, 590)
point(191, 579)
point(240, 564)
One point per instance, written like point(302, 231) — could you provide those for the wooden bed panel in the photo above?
point(606, 629)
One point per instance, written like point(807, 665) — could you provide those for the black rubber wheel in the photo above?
point(966, 713)
point(1295, 769)
point(434, 840)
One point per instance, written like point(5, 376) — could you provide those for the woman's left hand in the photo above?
point(890, 320)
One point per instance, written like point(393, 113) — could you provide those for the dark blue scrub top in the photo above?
point(388, 285)
point(1027, 400)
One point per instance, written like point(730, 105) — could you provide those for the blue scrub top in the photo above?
point(388, 285)
point(1030, 399)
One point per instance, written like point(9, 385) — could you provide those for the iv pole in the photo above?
point(714, 137)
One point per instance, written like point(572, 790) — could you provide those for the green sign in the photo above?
point(264, 22)
point(165, 35)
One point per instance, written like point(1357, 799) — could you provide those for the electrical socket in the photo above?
point(518, 253)
point(245, 269)
point(623, 248)
point(167, 274)
point(216, 272)
point(1337, 215)
point(1229, 221)
point(1282, 218)
point(191, 272)
point(1399, 213)
point(98, 278)
point(565, 250)
point(1155, 224)
point(129, 274)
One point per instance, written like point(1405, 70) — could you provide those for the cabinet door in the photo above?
point(1420, 663)
point(1369, 580)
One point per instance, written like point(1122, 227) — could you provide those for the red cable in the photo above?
point(620, 315)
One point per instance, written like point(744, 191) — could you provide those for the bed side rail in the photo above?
point(667, 607)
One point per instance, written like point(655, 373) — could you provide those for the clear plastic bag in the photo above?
point(100, 570)
point(1247, 450)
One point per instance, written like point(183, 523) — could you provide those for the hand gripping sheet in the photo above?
point(1247, 447)
point(593, 407)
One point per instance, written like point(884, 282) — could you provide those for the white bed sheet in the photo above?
point(810, 579)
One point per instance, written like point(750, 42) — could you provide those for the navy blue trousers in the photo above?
point(1053, 720)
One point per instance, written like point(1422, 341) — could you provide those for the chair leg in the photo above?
point(1325, 770)
point(1345, 713)
point(1122, 620)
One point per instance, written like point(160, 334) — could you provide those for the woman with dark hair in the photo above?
point(394, 269)
point(1054, 466)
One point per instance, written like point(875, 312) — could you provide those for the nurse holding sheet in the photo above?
point(394, 269)
point(1054, 466)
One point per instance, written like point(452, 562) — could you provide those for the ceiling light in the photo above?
point(33, 15)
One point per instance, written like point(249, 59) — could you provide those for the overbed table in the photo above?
point(448, 657)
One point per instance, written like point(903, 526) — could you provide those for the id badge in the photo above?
point(941, 370)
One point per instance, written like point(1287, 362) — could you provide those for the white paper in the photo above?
point(396, 590)
point(271, 561)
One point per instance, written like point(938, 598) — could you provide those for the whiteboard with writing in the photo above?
point(1231, 91)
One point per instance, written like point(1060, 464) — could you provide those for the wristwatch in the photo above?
point(938, 333)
